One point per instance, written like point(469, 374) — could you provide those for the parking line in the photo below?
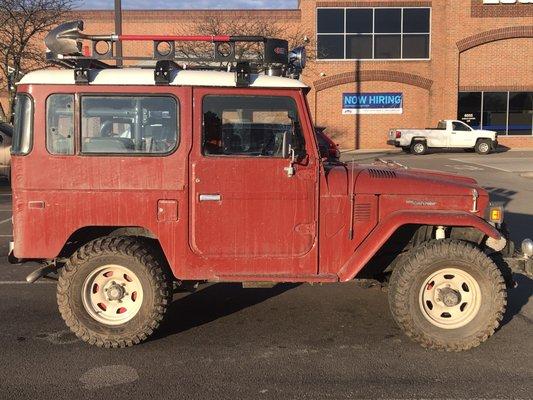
point(483, 165)
point(5, 220)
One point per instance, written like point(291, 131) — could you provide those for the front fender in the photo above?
point(385, 228)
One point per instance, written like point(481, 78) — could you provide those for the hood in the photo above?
point(373, 179)
point(486, 132)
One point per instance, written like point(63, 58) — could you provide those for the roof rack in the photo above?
point(66, 49)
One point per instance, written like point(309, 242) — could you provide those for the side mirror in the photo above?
point(287, 144)
point(323, 151)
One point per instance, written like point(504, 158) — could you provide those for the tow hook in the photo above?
point(523, 263)
point(42, 271)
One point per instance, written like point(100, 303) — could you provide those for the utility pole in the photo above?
point(118, 30)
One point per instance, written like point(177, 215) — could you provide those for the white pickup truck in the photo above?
point(448, 134)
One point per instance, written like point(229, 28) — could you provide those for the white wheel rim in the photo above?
point(112, 294)
point(483, 147)
point(450, 298)
point(419, 148)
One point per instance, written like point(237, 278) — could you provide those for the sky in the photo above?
point(190, 4)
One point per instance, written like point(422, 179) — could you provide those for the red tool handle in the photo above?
point(163, 38)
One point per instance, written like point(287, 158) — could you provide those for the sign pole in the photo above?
point(118, 30)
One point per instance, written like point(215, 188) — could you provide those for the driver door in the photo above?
point(248, 216)
point(461, 135)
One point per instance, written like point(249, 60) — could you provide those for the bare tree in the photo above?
point(22, 25)
point(215, 25)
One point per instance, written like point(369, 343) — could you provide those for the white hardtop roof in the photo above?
point(144, 76)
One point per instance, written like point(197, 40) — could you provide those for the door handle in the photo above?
point(210, 197)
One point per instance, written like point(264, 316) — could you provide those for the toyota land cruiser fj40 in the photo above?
point(127, 181)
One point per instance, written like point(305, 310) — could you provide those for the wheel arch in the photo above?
point(419, 139)
point(395, 222)
point(86, 234)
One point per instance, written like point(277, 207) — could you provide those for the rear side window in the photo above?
point(23, 125)
point(129, 125)
point(60, 124)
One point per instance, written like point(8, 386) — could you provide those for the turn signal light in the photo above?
point(496, 214)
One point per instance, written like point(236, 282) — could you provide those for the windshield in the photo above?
point(23, 124)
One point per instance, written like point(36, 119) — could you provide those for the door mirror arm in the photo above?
point(290, 170)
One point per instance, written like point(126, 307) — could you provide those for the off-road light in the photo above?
point(527, 247)
point(298, 57)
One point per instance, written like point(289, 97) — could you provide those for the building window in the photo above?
point(373, 33)
point(508, 113)
point(129, 124)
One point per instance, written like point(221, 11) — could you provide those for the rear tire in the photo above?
point(447, 295)
point(113, 292)
point(483, 146)
point(419, 148)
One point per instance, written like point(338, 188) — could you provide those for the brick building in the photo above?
point(465, 59)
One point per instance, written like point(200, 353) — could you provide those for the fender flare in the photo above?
point(385, 228)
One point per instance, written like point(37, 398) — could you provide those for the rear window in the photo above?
point(23, 125)
point(129, 124)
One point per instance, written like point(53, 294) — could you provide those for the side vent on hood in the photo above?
point(382, 173)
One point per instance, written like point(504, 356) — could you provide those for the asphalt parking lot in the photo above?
point(330, 341)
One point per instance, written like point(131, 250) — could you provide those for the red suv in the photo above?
point(128, 181)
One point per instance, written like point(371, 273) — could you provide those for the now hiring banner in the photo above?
point(372, 103)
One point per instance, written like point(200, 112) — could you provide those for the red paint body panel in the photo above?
point(264, 225)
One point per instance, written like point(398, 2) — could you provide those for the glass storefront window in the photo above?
point(495, 111)
point(520, 113)
point(508, 113)
point(469, 109)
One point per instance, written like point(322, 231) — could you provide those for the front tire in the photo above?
point(483, 146)
point(447, 295)
point(113, 292)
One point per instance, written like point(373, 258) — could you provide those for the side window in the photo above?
point(458, 126)
point(60, 124)
point(129, 124)
point(251, 126)
point(23, 125)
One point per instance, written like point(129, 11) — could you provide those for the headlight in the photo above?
point(527, 247)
